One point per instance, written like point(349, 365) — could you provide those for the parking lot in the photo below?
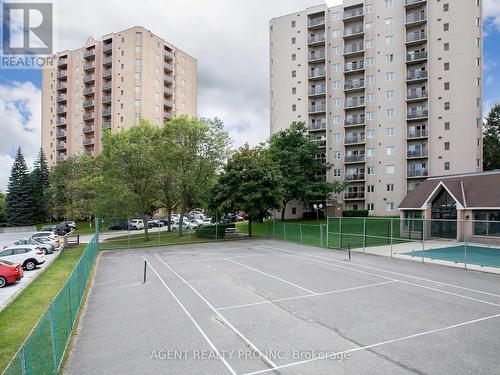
point(256, 306)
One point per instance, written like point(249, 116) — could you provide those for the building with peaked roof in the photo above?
point(457, 206)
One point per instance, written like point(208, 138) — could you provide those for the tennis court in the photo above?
point(264, 306)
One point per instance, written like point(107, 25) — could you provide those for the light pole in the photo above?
point(317, 208)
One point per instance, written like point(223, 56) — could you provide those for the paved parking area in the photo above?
point(255, 307)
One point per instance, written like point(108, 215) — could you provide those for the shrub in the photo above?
point(217, 232)
point(355, 213)
point(312, 215)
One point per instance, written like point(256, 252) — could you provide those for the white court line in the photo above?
point(272, 276)
point(378, 344)
point(218, 258)
point(328, 262)
point(247, 341)
point(192, 319)
point(306, 296)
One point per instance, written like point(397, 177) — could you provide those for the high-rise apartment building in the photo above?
point(112, 84)
point(391, 90)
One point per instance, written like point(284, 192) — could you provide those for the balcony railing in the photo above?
point(316, 39)
point(168, 67)
point(106, 125)
point(168, 91)
point(61, 98)
point(353, 13)
point(353, 66)
point(417, 153)
point(62, 86)
point(350, 140)
point(107, 86)
point(167, 103)
point(317, 126)
point(106, 99)
point(88, 103)
point(107, 60)
point(417, 173)
point(61, 157)
point(89, 53)
point(317, 90)
point(88, 116)
point(317, 108)
point(61, 121)
point(61, 110)
point(354, 195)
point(417, 94)
point(415, 17)
point(106, 112)
point(352, 48)
point(414, 56)
point(168, 79)
point(317, 55)
point(62, 62)
point(167, 115)
point(354, 102)
point(88, 90)
point(416, 74)
point(107, 47)
point(316, 21)
point(88, 129)
point(88, 141)
point(355, 120)
point(106, 73)
point(168, 55)
point(88, 78)
point(416, 113)
point(354, 158)
point(417, 133)
point(354, 84)
point(60, 134)
point(62, 74)
point(411, 2)
point(353, 30)
point(88, 66)
point(319, 72)
point(61, 146)
point(355, 177)
point(416, 36)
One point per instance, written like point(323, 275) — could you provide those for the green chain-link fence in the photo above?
point(44, 348)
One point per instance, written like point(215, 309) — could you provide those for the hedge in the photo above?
point(355, 213)
point(214, 231)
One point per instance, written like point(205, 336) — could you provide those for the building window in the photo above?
point(336, 120)
point(370, 152)
point(294, 210)
point(370, 80)
point(390, 187)
point(446, 146)
point(390, 151)
point(389, 58)
point(446, 106)
point(137, 103)
point(369, 44)
point(390, 94)
point(294, 57)
point(294, 73)
point(336, 16)
point(389, 3)
point(294, 90)
point(370, 115)
point(336, 67)
point(390, 132)
point(336, 85)
point(447, 125)
point(370, 98)
point(390, 113)
point(369, 26)
point(336, 137)
point(336, 33)
point(446, 66)
point(293, 23)
point(337, 102)
point(447, 46)
point(388, 40)
point(370, 170)
point(447, 86)
point(336, 50)
point(369, 61)
point(446, 26)
point(370, 188)
point(294, 107)
point(446, 7)
point(336, 172)
point(138, 36)
point(370, 134)
point(389, 76)
point(293, 40)
point(390, 169)
point(369, 8)
point(389, 22)
point(389, 206)
point(371, 207)
point(337, 155)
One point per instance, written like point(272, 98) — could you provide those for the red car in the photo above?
point(9, 272)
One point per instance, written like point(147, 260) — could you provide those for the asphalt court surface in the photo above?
point(257, 306)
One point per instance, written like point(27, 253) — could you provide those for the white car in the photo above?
point(29, 256)
point(136, 224)
point(49, 237)
point(185, 226)
point(47, 247)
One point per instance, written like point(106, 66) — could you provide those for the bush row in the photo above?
point(214, 231)
point(355, 213)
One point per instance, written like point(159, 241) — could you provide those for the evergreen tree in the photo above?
point(491, 140)
point(40, 184)
point(19, 202)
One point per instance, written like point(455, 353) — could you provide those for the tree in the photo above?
point(199, 148)
point(304, 176)
point(2, 207)
point(40, 183)
point(129, 168)
point(19, 200)
point(491, 140)
point(251, 182)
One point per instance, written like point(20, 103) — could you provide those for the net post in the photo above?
point(301, 237)
point(274, 229)
point(392, 234)
point(284, 231)
point(364, 234)
point(465, 244)
point(145, 272)
point(349, 251)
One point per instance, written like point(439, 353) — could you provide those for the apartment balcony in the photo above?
point(106, 125)
point(168, 67)
point(108, 60)
point(416, 37)
point(317, 56)
point(354, 121)
point(416, 95)
point(87, 116)
point(417, 114)
point(106, 112)
point(417, 173)
point(62, 74)
point(88, 78)
point(351, 14)
point(416, 75)
point(317, 108)
point(61, 98)
point(107, 86)
point(352, 159)
point(107, 47)
point(359, 195)
point(416, 18)
point(167, 115)
point(61, 146)
point(316, 40)
point(354, 48)
point(416, 133)
point(88, 104)
point(169, 56)
point(317, 126)
point(106, 99)
point(167, 104)
point(107, 73)
point(61, 157)
point(351, 67)
point(415, 57)
point(90, 153)
point(317, 91)
point(416, 154)
point(89, 54)
point(61, 122)
point(354, 140)
point(88, 129)
point(317, 73)
point(354, 103)
point(353, 31)
point(321, 142)
point(355, 177)
point(61, 110)
point(413, 3)
point(168, 80)
point(317, 22)
point(88, 91)
point(168, 91)
point(88, 141)
point(354, 84)
point(62, 86)
point(60, 134)
point(62, 62)
point(88, 66)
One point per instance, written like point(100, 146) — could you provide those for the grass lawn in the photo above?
point(19, 318)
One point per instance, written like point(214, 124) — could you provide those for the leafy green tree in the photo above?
point(491, 140)
point(19, 201)
point(199, 148)
point(40, 184)
point(303, 174)
point(2, 207)
point(250, 182)
point(129, 169)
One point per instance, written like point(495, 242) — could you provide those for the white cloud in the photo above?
point(491, 11)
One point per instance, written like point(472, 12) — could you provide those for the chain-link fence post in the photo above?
point(392, 234)
point(364, 234)
point(423, 239)
point(284, 231)
point(465, 244)
point(301, 237)
point(274, 228)
point(321, 235)
point(340, 233)
point(327, 230)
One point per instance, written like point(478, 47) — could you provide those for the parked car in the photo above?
point(136, 224)
point(61, 229)
point(70, 224)
point(185, 226)
point(10, 272)
point(50, 237)
point(156, 223)
point(120, 226)
point(29, 256)
point(47, 247)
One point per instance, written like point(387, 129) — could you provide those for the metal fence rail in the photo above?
point(44, 348)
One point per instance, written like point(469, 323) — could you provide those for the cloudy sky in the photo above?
point(228, 37)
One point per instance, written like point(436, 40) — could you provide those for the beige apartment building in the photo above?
point(391, 90)
point(112, 84)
